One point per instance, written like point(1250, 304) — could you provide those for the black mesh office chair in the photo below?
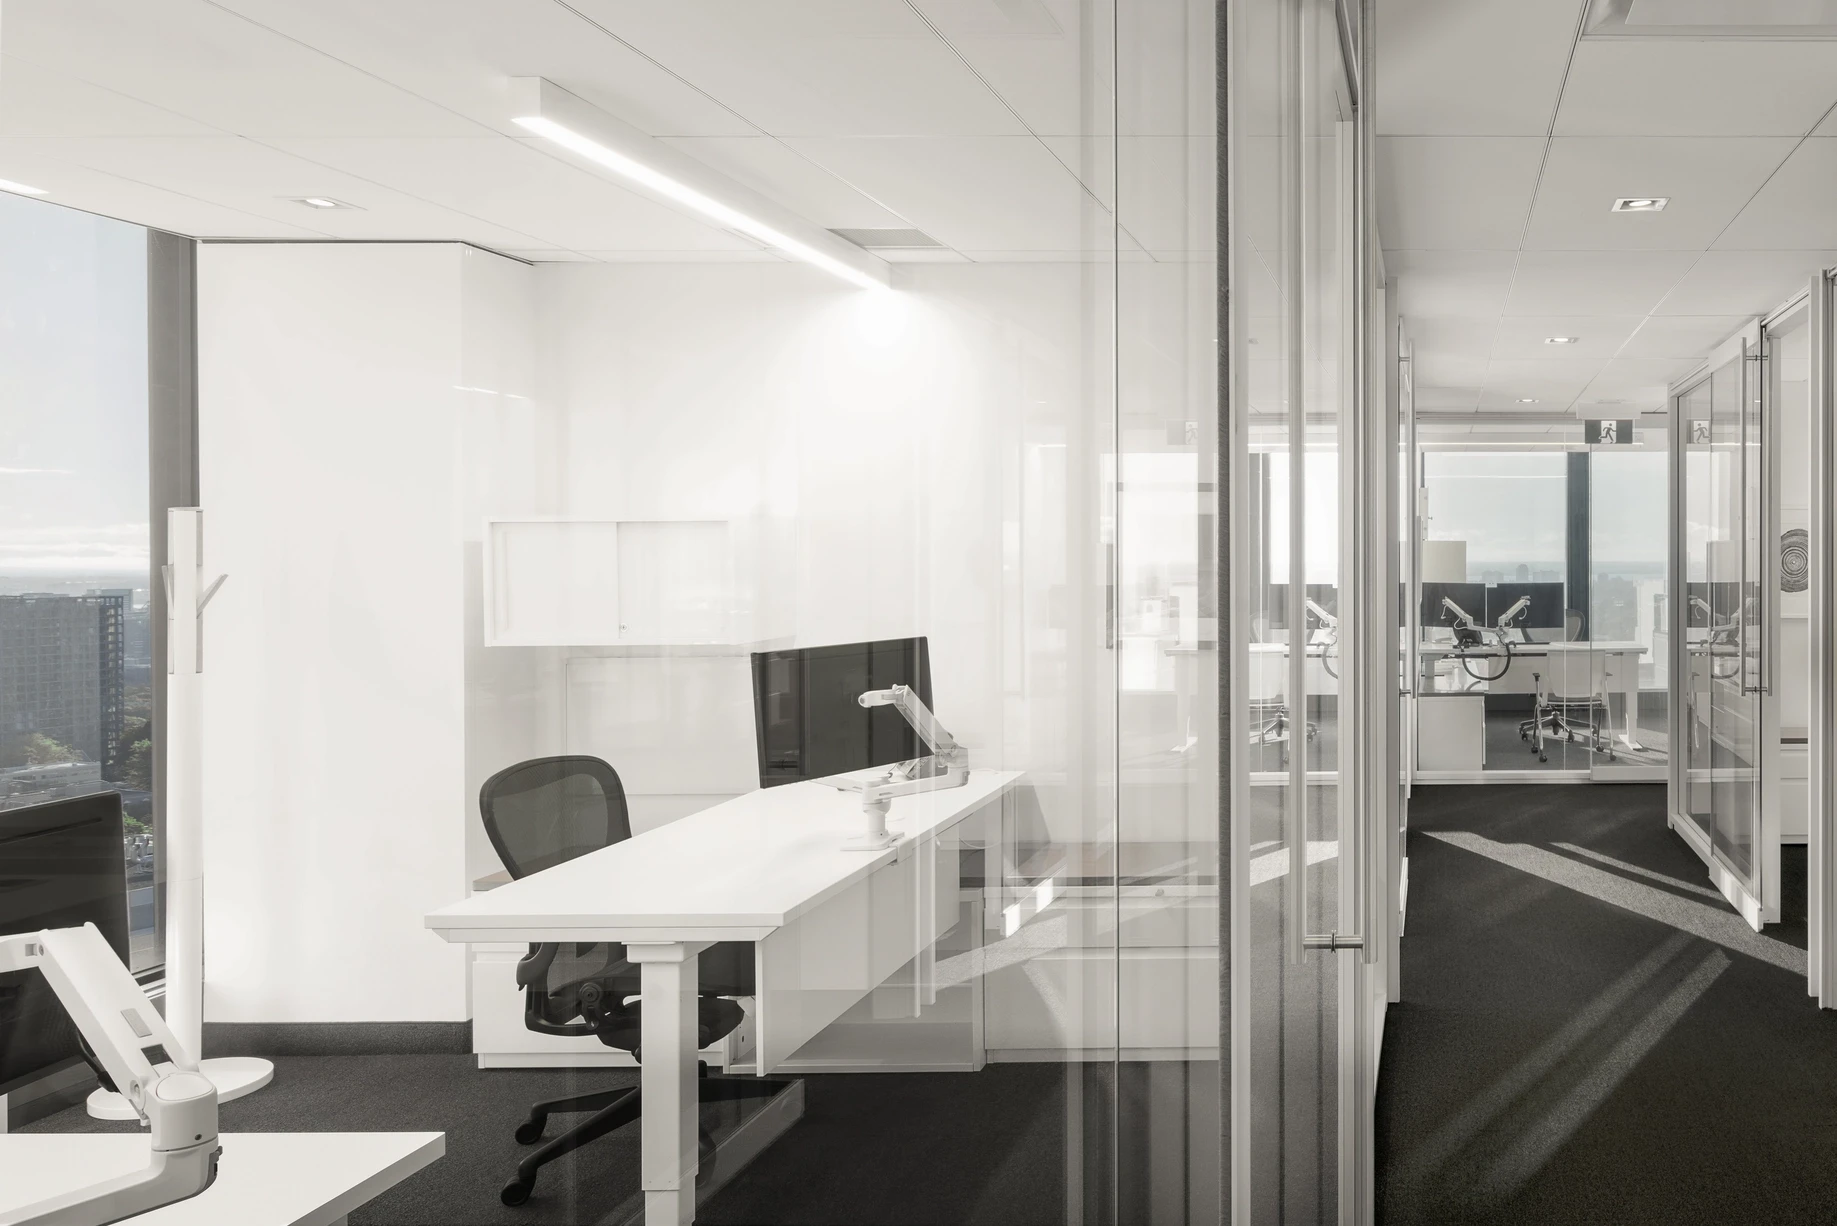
point(545, 812)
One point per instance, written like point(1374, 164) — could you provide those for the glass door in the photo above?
point(1314, 635)
point(1719, 618)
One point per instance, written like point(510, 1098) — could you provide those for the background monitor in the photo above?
point(1470, 596)
point(61, 865)
point(808, 721)
point(1545, 612)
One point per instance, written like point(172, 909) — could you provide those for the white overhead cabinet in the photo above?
point(562, 582)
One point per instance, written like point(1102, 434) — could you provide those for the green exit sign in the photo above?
point(1608, 432)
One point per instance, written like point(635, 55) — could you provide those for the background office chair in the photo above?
point(1270, 720)
point(1571, 688)
point(545, 812)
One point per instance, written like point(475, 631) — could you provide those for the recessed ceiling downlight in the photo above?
point(1561, 340)
point(1641, 204)
point(322, 202)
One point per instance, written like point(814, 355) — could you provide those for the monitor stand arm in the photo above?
point(947, 767)
point(137, 1052)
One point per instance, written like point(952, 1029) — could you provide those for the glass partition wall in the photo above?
point(1720, 621)
point(996, 483)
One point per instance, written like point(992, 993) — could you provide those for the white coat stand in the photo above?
point(186, 596)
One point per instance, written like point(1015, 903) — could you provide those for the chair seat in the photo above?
point(716, 1018)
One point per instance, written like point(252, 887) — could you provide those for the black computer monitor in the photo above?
point(1470, 596)
point(808, 721)
point(61, 865)
point(1545, 612)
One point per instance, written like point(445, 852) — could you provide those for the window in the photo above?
point(1508, 506)
point(76, 635)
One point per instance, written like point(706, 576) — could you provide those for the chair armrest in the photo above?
point(534, 965)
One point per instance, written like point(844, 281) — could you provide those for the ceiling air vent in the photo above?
point(889, 240)
point(1701, 19)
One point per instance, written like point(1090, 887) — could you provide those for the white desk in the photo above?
point(1624, 664)
point(830, 924)
point(263, 1178)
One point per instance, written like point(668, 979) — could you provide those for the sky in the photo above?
point(73, 392)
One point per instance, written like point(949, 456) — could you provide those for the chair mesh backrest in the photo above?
point(547, 811)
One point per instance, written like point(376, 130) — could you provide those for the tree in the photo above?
point(134, 755)
point(41, 750)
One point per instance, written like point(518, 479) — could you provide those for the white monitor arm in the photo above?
point(947, 767)
point(1329, 624)
point(140, 1055)
point(1506, 618)
point(1462, 616)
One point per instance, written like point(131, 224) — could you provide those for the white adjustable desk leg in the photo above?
point(672, 1105)
point(1629, 669)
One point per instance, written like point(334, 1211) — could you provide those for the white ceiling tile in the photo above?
point(1708, 180)
point(1687, 87)
point(1168, 185)
point(1530, 395)
point(1681, 336)
point(463, 54)
point(519, 185)
point(1598, 337)
point(1033, 55)
point(778, 171)
point(27, 160)
point(1595, 282)
point(976, 194)
point(1134, 255)
point(1743, 282)
point(1794, 209)
point(240, 174)
point(37, 101)
point(1432, 397)
point(757, 255)
point(814, 67)
point(1443, 69)
point(1451, 282)
point(1639, 384)
point(1449, 370)
point(213, 66)
point(1452, 335)
point(1456, 192)
point(547, 255)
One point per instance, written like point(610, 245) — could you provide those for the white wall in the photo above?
point(926, 447)
point(338, 459)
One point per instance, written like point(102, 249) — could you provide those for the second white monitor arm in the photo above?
point(140, 1055)
point(949, 763)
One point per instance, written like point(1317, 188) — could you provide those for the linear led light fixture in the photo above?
point(1561, 340)
point(20, 189)
point(584, 130)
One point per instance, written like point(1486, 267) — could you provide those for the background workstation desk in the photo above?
point(830, 925)
point(1622, 666)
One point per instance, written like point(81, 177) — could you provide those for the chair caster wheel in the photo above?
point(516, 1192)
point(1543, 757)
point(530, 1131)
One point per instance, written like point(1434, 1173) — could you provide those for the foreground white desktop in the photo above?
point(263, 1178)
point(830, 923)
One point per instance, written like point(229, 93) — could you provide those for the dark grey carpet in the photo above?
point(1559, 1058)
point(919, 1149)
